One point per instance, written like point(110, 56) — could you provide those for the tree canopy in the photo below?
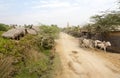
point(106, 22)
point(3, 27)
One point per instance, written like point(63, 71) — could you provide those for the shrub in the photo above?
point(3, 27)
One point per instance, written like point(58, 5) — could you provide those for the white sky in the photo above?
point(76, 12)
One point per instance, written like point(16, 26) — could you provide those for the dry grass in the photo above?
point(5, 67)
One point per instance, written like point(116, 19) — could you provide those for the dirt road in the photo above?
point(79, 63)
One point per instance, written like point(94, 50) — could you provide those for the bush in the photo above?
point(3, 27)
point(46, 36)
point(52, 30)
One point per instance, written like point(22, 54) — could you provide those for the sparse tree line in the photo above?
point(100, 24)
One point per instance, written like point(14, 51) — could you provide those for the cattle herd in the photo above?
point(89, 43)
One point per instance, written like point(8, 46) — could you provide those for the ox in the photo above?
point(102, 45)
point(87, 43)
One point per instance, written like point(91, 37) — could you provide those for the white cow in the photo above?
point(87, 43)
point(97, 42)
point(81, 41)
point(102, 45)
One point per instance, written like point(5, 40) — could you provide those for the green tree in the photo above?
point(3, 27)
point(106, 22)
point(47, 35)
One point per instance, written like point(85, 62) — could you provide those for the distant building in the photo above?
point(114, 38)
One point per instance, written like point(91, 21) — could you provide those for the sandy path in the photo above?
point(79, 63)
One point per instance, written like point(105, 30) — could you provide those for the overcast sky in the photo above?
point(59, 12)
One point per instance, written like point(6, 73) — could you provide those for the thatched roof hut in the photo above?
point(36, 28)
point(31, 31)
point(14, 33)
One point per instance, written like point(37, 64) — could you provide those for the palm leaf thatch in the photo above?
point(31, 31)
point(14, 33)
point(36, 28)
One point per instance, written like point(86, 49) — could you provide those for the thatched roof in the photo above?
point(12, 33)
point(36, 28)
point(31, 31)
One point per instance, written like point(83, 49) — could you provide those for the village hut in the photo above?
point(14, 33)
point(31, 31)
point(36, 28)
point(114, 38)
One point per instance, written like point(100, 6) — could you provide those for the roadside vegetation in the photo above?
point(4, 27)
point(30, 57)
point(74, 30)
point(99, 24)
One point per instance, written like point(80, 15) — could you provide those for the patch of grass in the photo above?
point(1, 32)
point(35, 69)
point(47, 52)
point(25, 74)
point(6, 46)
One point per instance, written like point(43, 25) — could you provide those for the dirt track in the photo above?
point(79, 63)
